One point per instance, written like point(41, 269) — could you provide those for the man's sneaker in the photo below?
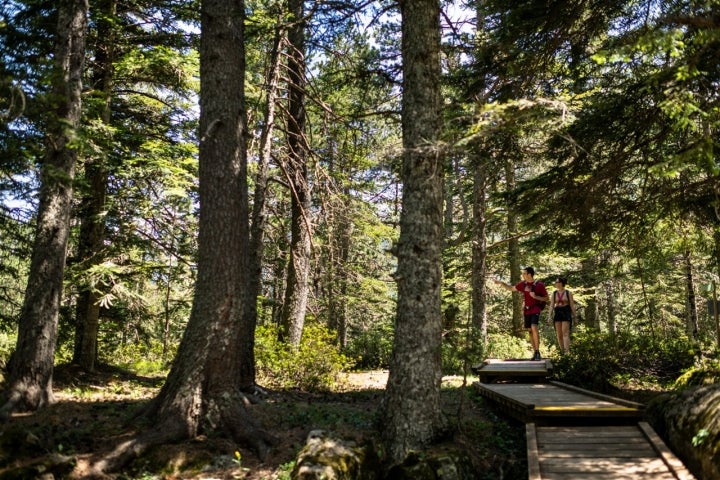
point(537, 356)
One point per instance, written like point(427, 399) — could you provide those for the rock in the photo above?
point(329, 458)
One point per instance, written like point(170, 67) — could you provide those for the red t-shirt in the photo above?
point(532, 306)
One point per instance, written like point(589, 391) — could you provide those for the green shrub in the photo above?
point(138, 357)
point(314, 365)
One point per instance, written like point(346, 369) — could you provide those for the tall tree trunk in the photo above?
point(92, 226)
point(411, 406)
point(31, 368)
point(479, 249)
point(297, 288)
point(203, 390)
point(518, 325)
point(246, 370)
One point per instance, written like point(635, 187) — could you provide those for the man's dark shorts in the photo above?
point(533, 319)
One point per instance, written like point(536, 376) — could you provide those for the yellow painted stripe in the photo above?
point(551, 408)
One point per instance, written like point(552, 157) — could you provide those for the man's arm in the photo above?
point(506, 286)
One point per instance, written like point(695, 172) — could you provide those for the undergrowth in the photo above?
point(603, 362)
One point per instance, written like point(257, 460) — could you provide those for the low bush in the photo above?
point(315, 365)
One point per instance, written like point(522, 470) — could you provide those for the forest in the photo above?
point(215, 214)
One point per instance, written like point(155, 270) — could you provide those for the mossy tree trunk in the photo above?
point(411, 415)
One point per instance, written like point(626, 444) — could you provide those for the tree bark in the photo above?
point(411, 406)
point(203, 390)
point(297, 288)
point(92, 226)
point(31, 368)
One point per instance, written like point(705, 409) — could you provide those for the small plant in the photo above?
point(701, 436)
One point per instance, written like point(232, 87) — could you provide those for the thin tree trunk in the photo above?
point(518, 325)
point(592, 316)
point(246, 370)
point(649, 305)
point(31, 368)
point(611, 307)
point(692, 315)
point(92, 227)
point(479, 250)
point(297, 288)
point(411, 415)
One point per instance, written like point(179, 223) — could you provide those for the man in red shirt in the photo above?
point(534, 293)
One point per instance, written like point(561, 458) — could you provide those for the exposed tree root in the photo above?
point(234, 420)
point(24, 399)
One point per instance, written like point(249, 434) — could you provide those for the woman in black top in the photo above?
point(562, 311)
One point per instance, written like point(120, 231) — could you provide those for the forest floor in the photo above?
point(92, 412)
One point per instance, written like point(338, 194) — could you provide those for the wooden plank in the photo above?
point(532, 453)
point(673, 463)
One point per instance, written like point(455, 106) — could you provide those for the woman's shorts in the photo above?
point(563, 314)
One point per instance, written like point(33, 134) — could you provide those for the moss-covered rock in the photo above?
point(689, 420)
point(325, 456)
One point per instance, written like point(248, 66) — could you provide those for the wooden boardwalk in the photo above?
point(608, 452)
point(553, 402)
point(574, 433)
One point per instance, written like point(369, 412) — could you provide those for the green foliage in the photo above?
point(314, 365)
point(371, 348)
point(600, 361)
